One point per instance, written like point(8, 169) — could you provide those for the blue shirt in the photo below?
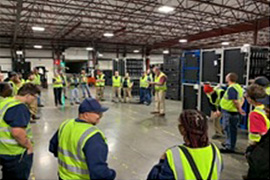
point(232, 94)
point(95, 151)
point(16, 116)
point(161, 171)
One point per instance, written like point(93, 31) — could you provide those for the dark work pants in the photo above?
point(142, 94)
point(17, 167)
point(57, 96)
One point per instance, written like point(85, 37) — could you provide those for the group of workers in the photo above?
point(82, 150)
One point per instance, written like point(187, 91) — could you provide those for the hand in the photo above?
point(217, 114)
point(242, 112)
point(163, 156)
point(30, 150)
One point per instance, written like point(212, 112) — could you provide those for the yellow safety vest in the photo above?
point(58, 83)
point(228, 104)
point(116, 81)
point(203, 158)
point(37, 79)
point(72, 137)
point(260, 110)
point(15, 88)
point(157, 80)
point(83, 79)
point(8, 144)
point(217, 102)
point(144, 82)
point(267, 90)
point(100, 84)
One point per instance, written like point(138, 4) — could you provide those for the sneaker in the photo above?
point(226, 151)
point(154, 112)
point(161, 115)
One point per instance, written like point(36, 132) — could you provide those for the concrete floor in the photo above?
point(136, 138)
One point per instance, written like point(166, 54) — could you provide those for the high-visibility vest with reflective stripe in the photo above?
point(157, 80)
point(64, 80)
point(57, 82)
point(22, 82)
point(228, 104)
point(72, 137)
point(144, 82)
point(15, 88)
point(37, 79)
point(100, 84)
point(181, 168)
point(257, 137)
point(83, 79)
point(8, 145)
point(73, 82)
point(267, 90)
point(116, 81)
point(218, 91)
point(30, 81)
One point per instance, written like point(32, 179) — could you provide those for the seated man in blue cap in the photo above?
point(80, 147)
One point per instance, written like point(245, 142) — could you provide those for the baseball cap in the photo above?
point(262, 81)
point(91, 105)
point(264, 101)
point(208, 89)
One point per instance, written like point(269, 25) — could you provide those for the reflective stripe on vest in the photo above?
point(228, 104)
point(144, 82)
point(267, 90)
point(257, 137)
point(8, 144)
point(116, 82)
point(100, 84)
point(175, 160)
point(157, 80)
point(72, 163)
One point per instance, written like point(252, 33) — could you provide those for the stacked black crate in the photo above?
point(108, 77)
point(135, 68)
point(172, 67)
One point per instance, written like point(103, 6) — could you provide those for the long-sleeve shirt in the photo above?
point(95, 151)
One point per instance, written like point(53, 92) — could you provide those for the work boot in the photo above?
point(34, 117)
point(154, 112)
point(162, 115)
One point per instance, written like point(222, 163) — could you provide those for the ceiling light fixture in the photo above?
point(246, 45)
point(136, 51)
point(108, 34)
point(183, 40)
point(89, 49)
point(37, 28)
point(166, 52)
point(19, 52)
point(100, 55)
point(38, 46)
point(166, 9)
point(225, 43)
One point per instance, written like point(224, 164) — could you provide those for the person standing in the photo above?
point(148, 95)
point(81, 148)
point(214, 97)
point(57, 89)
point(231, 107)
point(160, 92)
point(16, 154)
point(33, 107)
point(116, 86)
point(127, 87)
point(15, 82)
point(100, 85)
point(84, 84)
point(143, 86)
point(197, 158)
point(74, 92)
point(37, 81)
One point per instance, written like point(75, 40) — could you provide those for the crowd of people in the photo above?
point(82, 150)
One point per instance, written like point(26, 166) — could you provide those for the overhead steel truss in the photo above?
point(82, 23)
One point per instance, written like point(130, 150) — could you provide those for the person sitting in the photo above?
point(197, 158)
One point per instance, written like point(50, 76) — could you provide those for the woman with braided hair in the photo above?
point(197, 158)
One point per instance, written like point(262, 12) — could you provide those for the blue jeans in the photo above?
point(230, 125)
point(16, 167)
point(148, 95)
point(74, 95)
point(86, 88)
point(142, 95)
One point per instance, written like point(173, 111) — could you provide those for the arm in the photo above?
point(96, 152)
point(53, 147)
point(20, 136)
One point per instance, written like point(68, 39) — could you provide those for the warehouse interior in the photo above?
point(191, 42)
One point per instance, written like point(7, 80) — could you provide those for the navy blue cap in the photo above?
point(264, 101)
point(262, 81)
point(91, 105)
